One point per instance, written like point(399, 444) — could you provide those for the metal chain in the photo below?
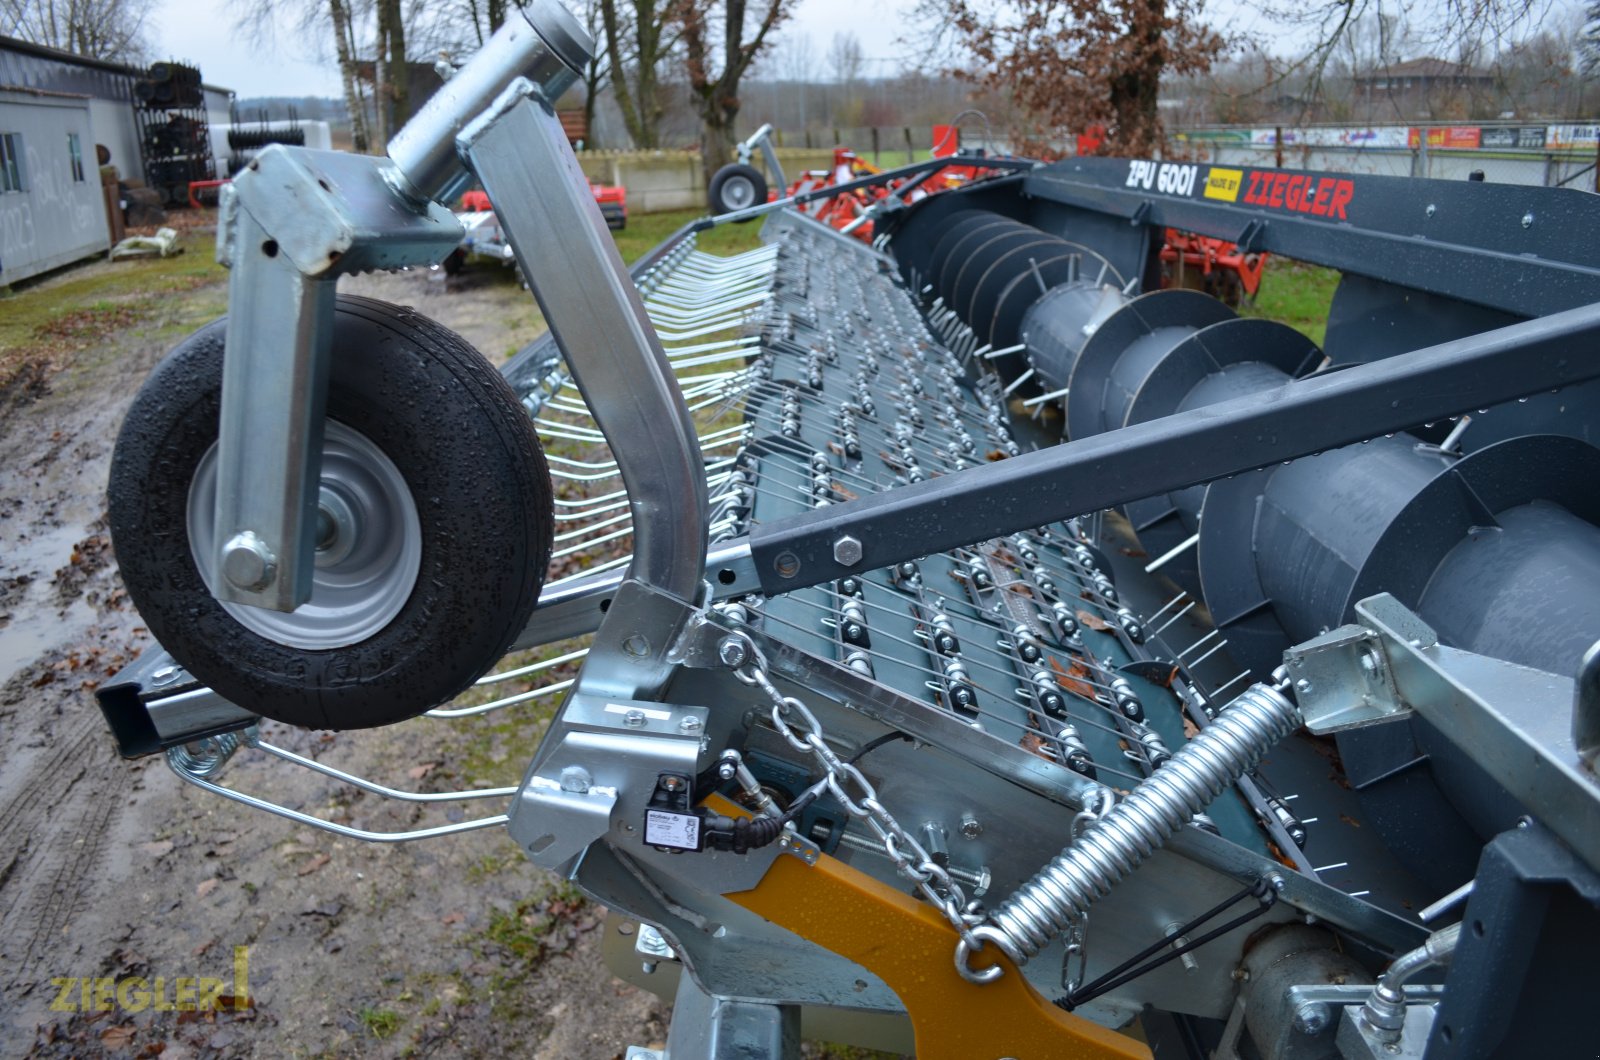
point(801, 729)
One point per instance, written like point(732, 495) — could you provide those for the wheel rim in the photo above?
point(369, 546)
point(738, 192)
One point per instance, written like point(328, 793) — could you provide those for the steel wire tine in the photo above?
point(521, 671)
point(712, 442)
point(699, 298)
point(328, 826)
point(500, 704)
point(610, 564)
point(380, 789)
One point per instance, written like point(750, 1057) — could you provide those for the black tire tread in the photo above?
point(474, 594)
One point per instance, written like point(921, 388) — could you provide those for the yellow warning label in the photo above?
point(1224, 184)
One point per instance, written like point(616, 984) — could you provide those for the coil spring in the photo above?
point(1116, 843)
point(205, 756)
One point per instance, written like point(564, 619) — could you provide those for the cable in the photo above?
point(1127, 972)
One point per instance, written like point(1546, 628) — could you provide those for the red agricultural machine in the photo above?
point(849, 195)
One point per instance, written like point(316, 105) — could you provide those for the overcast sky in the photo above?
point(290, 67)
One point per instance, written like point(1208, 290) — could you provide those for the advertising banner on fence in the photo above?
point(1334, 136)
point(1511, 137)
point(1569, 137)
point(1448, 137)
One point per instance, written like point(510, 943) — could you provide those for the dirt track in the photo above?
point(453, 947)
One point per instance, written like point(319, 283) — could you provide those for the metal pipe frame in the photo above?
point(600, 323)
point(1306, 416)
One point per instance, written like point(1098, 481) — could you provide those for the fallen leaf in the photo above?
point(158, 849)
point(1075, 679)
point(418, 772)
point(452, 918)
point(206, 887)
point(1093, 621)
point(117, 1037)
point(313, 865)
point(199, 951)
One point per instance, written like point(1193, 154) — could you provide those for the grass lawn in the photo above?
point(644, 231)
point(1297, 294)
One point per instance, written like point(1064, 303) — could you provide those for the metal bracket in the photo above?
point(1512, 720)
point(596, 771)
point(154, 704)
point(1342, 680)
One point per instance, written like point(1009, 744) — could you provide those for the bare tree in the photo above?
point(393, 75)
point(597, 74)
point(99, 29)
point(846, 59)
point(714, 73)
point(639, 36)
point(1589, 41)
point(1073, 64)
point(344, 47)
point(1466, 30)
point(797, 65)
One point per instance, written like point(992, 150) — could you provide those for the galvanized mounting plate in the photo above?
point(1342, 679)
point(333, 213)
point(1516, 722)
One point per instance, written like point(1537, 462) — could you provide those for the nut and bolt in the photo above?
point(971, 827)
point(1178, 941)
point(732, 652)
point(248, 563)
point(1312, 1017)
point(672, 782)
point(1527, 220)
point(576, 779)
point(636, 646)
point(634, 719)
point(1371, 663)
point(165, 676)
point(689, 724)
point(847, 551)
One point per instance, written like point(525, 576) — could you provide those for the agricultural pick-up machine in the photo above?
point(1247, 708)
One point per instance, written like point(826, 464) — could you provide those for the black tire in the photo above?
point(737, 187)
point(451, 427)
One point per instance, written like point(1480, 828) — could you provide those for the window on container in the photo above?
point(75, 152)
point(11, 162)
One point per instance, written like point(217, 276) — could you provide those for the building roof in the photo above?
point(1438, 69)
point(39, 51)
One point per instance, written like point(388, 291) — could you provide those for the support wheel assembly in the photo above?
point(433, 534)
point(737, 187)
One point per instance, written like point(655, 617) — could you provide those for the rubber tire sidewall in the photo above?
point(720, 180)
point(469, 454)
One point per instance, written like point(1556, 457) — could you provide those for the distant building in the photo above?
point(55, 109)
point(109, 88)
point(1421, 77)
point(52, 209)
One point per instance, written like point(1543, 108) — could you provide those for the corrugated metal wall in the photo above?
point(110, 85)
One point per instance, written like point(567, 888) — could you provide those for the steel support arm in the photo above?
point(1307, 416)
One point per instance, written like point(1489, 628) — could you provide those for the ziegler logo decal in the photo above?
point(1169, 178)
point(1298, 192)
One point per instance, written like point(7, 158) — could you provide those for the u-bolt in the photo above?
point(1114, 844)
